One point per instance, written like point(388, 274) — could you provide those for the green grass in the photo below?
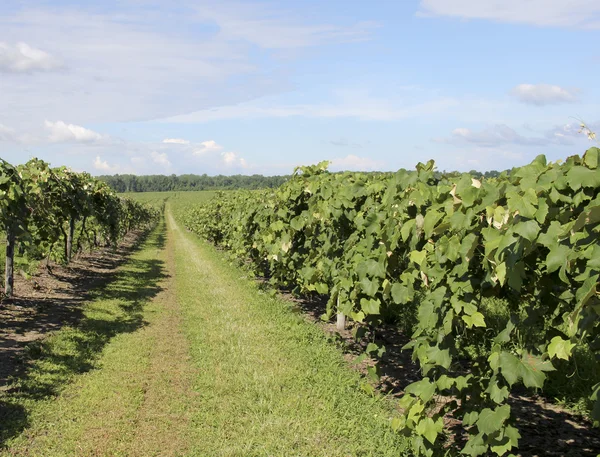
point(68, 362)
point(182, 356)
point(270, 382)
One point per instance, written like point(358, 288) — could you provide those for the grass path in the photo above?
point(192, 360)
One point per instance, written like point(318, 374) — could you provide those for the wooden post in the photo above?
point(341, 322)
point(10, 262)
point(341, 319)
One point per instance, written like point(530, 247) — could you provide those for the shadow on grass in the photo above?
point(47, 365)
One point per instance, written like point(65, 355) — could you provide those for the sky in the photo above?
point(245, 87)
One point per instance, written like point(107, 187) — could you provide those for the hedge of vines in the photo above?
point(42, 208)
point(380, 245)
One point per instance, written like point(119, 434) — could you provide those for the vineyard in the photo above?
point(495, 280)
point(53, 213)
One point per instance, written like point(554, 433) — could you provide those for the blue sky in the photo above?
point(149, 86)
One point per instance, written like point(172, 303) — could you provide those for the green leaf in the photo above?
point(560, 348)
point(528, 230)
point(497, 394)
point(504, 335)
point(431, 218)
point(475, 320)
point(557, 257)
point(401, 294)
point(418, 257)
point(440, 357)
point(424, 389)
point(590, 158)
point(429, 429)
point(470, 418)
point(492, 420)
point(369, 286)
point(532, 370)
point(500, 271)
point(375, 268)
point(583, 177)
point(587, 290)
point(510, 367)
point(370, 306)
point(475, 446)
point(321, 288)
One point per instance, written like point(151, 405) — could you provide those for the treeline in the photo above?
point(163, 183)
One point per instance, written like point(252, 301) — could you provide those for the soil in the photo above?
point(51, 299)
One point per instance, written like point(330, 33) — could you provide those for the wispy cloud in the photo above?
point(273, 29)
point(23, 58)
point(344, 143)
point(364, 108)
point(175, 141)
point(549, 13)
point(7, 133)
point(543, 94)
point(494, 136)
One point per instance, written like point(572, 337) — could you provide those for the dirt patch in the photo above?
point(51, 299)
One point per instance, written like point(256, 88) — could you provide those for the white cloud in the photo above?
point(272, 29)
point(7, 134)
point(493, 136)
point(61, 132)
point(175, 141)
point(136, 64)
point(22, 58)
point(102, 165)
point(568, 133)
point(355, 163)
point(365, 108)
point(548, 13)
point(160, 158)
point(231, 159)
point(542, 94)
point(207, 147)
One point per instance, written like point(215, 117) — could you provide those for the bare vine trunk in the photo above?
point(69, 244)
point(10, 262)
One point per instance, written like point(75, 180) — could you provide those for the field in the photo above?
point(292, 322)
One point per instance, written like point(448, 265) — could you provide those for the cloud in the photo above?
point(542, 94)
point(231, 159)
point(568, 133)
point(61, 132)
point(160, 158)
point(7, 134)
point(272, 29)
point(355, 163)
point(175, 141)
point(342, 142)
point(497, 135)
point(362, 107)
point(139, 64)
point(207, 147)
point(583, 14)
point(102, 165)
point(22, 58)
